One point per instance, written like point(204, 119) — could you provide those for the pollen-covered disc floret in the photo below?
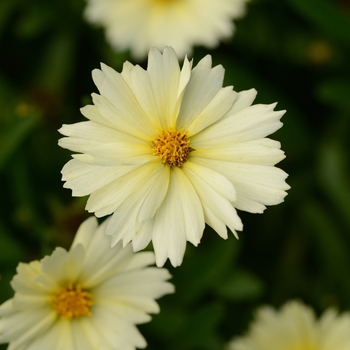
point(72, 302)
point(295, 327)
point(172, 147)
point(167, 150)
point(90, 297)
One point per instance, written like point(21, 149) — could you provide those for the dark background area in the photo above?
point(295, 52)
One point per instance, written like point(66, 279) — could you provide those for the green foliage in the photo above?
point(295, 52)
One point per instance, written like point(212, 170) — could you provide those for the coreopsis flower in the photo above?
point(90, 297)
point(140, 24)
point(295, 327)
point(168, 150)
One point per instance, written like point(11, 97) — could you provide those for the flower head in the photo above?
point(89, 297)
point(139, 24)
point(295, 327)
point(168, 150)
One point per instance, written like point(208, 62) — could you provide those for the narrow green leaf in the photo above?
point(328, 242)
point(13, 133)
point(327, 15)
point(335, 92)
point(334, 176)
point(241, 286)
point(10, 251)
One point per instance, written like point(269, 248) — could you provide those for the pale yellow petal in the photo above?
point(169, 236)
point(204, 84)
point(164, 75)
point(253, 152)
point(214, 111)
point(192, 208)
point(249, 124)
point(85, 179)
point(217, 204)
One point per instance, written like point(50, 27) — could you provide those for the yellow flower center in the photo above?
point(172, 147)
point(73, 302)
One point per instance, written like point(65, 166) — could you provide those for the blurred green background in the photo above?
point(296, 52)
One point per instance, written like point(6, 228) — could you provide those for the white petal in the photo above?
point(169, 237)
point(185, 76)
point(164, 74)
point(6, 308)
point(141, 86)
point(204, 84)
point(86, 135)
point(217, 204)
point(144, 232)
point(117, 191)
point(84, 178)
point(120, 116)
point(155, 197)
point(92, 113)
point(62, 266)
point(123, 222)
point(28, 301)
point(103, 263)
point(23, 282)
point(123, 310)
point(122, 226)
point(141, 260)
point(192, 208)
point(116, 332)
point(25, 326)
point(147, 282)
point(262, 184)
point(217, 107)
point(215, 223)
point(121, 153)
point(84, 334)
point(253, 152)
point(85, 232)
point(243, 100)
point(214, 179)
point(251, 123)
point(63, 338)
point(205, 62)
point(126, 73)
point(112, 86)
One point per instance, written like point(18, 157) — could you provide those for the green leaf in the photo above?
point(334, 176)
point(58, 61)
point(199, 332)
point(10, 251)
point(35, 20)
point(328, 242)
point(241, 286)
point(335, 92)
point(206, 267)
point(14, 132)
point(327, 15)
point(6, 10)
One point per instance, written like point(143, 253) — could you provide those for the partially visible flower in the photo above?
point(90, 297)
point(140, 24)
point(295, 327)
point(166, 150)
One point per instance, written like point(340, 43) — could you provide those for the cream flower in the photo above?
point(88, 298)
point(139, 24)
point(295, 327)
point(167, 150)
